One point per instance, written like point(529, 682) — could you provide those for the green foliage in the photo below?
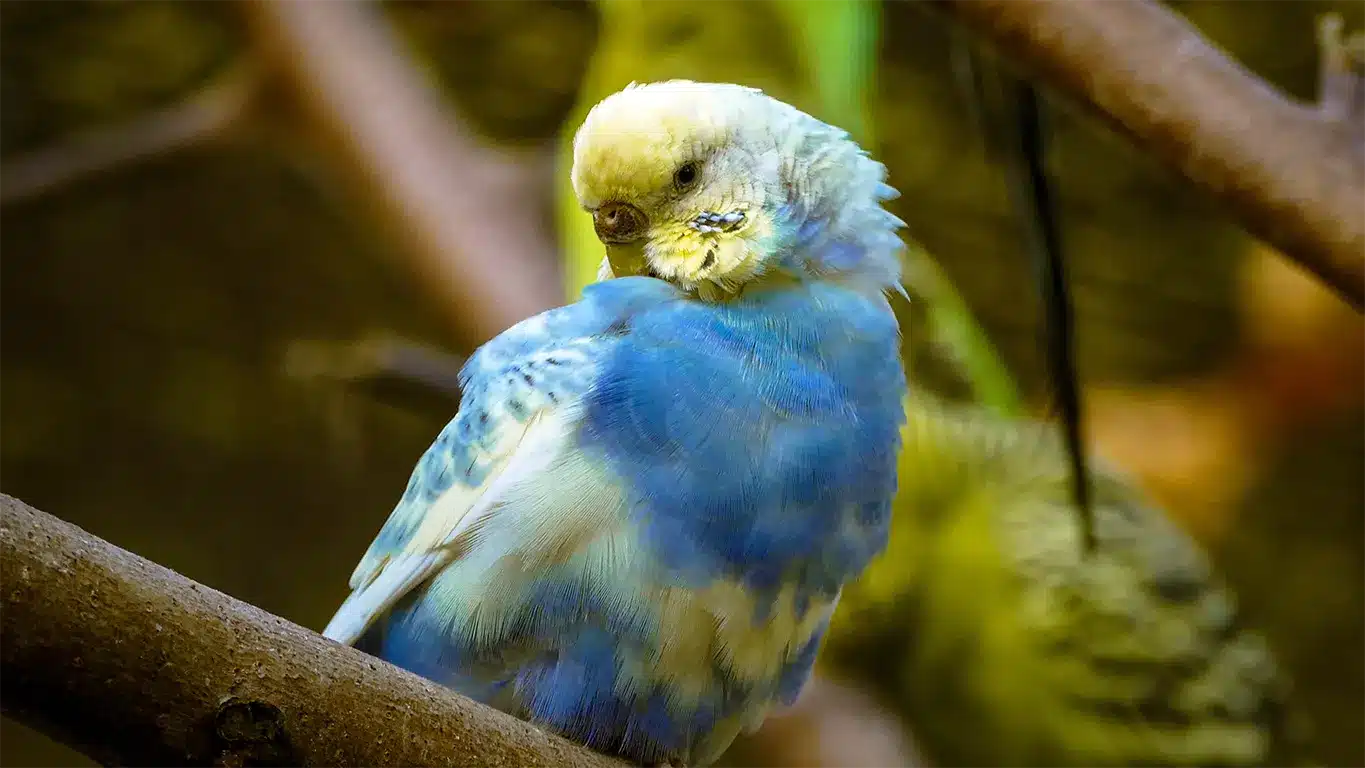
point(838, 43)
point(954, 331)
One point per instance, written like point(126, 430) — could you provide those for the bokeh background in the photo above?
point(228, 312)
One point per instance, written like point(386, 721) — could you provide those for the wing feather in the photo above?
point(391, 582)
point(385, 575)
point(522, 397)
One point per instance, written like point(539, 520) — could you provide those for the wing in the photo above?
point(522, 399)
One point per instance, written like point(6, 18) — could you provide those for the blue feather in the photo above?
point(754, 443)
point(704, 479)
point(830, 397)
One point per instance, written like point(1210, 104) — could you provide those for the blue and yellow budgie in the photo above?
point(636, 528)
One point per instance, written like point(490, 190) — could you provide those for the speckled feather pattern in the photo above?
point(1135, 654)
point(636, 528)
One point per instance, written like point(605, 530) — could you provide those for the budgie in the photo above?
point(1001, 640)
point(637, 526)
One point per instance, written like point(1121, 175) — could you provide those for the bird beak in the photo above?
point(628, 261)
point(619, 223)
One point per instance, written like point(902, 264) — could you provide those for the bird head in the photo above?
point(713, 186)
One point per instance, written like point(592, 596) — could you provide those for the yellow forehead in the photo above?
point(632, 141)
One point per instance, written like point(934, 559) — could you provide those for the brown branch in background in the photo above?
point(1341, 77)
point(462, 211)
point(375, 358)
point(135, 664)
point(211, 114)
point(472, 219)
point(1341, 93)
point(1293, 175)
point(391, 369)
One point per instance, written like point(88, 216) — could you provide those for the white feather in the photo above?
point(452, 524)
point(394, 579)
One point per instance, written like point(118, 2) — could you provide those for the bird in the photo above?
point(638, 524)
point(1001, 637)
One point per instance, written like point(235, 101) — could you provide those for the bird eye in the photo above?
point(686, 175)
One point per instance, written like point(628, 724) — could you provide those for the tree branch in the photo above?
point(380, 367)
point(213, 113)
point(379, 363)
point(135, 664)
point(460, 209)
point(1293, 175)
point(472, 219)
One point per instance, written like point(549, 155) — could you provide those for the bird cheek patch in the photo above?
point(719, 255)
point(710, 222)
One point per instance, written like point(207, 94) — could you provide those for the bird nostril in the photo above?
point(619, 223)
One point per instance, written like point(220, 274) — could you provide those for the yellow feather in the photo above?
point(986, 627)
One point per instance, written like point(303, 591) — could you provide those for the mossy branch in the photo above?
point(1292, 174)
point(134, 664)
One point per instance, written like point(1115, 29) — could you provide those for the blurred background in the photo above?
point(245, 243)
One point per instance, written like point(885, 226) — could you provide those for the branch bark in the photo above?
point(1293, 175)
point(135, 664)
point(462, 211)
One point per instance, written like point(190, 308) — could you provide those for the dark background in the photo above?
point(150, 314)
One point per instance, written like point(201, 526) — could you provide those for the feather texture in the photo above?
point(999, 620)
point(647, 565)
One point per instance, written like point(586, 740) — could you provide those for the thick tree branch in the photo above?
point(464, 212)
point(135, 664)
point(1293, 175)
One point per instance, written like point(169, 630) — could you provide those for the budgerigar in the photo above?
point(1001, 640)
point(637, 526)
